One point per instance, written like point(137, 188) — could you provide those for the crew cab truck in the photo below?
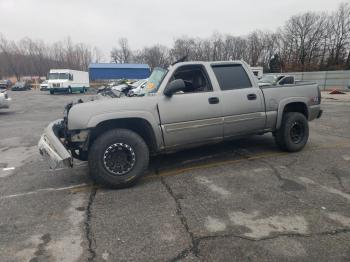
point(67, 80)
point(186, 105)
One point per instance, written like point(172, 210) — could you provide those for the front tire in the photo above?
point(293, 133)
point(118, 158)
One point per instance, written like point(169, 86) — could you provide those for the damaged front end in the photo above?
point(51, 146)
point(59, 146)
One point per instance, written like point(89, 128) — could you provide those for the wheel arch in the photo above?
point(292, 105)
point(138, 125)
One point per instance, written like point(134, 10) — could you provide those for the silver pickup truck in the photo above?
point(186, 105)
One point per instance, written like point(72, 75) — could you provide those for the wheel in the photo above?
point(293, 133)
point(69, 90)
point(83, 91)
point(52, 92)
point(118, 158)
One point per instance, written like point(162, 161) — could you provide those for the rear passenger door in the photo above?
point(243, 104)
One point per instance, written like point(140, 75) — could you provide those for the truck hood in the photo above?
point(86, 115)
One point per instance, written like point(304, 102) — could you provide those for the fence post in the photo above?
point(325, 81)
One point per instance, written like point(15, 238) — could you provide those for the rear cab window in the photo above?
point(231, 76)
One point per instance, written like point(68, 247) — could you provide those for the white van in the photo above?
point(67, 80)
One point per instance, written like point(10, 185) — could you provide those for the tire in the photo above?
point(293, 133)
point(83, 91)
point(133, 151)
point(52, 92)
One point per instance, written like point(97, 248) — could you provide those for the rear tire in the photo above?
point(118, 158)
point(293, 133)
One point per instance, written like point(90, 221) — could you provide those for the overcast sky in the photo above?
point(145, 22)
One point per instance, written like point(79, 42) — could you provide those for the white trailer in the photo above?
point(67, 80)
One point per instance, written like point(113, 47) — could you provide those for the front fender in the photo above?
point(147, 116)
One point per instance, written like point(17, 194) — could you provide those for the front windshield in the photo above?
point(54, 76)
point(155, 80)
point(268, 79)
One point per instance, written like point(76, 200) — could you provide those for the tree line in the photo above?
point(29, 57)
point(306, 42)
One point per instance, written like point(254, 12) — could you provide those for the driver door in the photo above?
point(193, 116)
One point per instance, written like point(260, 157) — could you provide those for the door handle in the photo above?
point(251, 96)
point(213, 100)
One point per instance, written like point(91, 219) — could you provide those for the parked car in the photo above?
point(44, 86)
point(277, 80)
point(4, 99)
point(5, 84)
point(21, 86)
point(186, 105)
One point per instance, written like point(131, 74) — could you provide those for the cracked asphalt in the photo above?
point(242, 200)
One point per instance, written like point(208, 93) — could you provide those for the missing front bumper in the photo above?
point(52, 149)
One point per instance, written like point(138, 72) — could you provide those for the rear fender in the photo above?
point(283, 103)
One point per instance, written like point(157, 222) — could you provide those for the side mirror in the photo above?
point(174, 86)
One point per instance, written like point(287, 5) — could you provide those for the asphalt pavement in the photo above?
point(242, 200)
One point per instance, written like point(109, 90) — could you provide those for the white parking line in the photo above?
point(325, 188)
point(8, 168)
point(43, 190)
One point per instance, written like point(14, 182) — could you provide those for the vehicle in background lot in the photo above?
point(131, 89)
point(44, 86)
point(67, 80)
point(123, 88)
point(277, 80)
point(187, 105)
point(5, 84)
point(4, 99)
point(21, 86)
point(258, 71)
point(137, 87)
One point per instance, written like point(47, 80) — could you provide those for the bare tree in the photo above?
point(122, 54)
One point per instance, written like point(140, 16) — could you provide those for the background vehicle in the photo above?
point(67, 80)
point(258, 71)
point(137, 87)
point(190, 104)
point(277, 80)
point(21, 86)
point(4, 99)
point(5, 84)
point(44, 86)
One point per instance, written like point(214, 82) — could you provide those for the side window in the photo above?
point(195, 78)
point(231, 77)
point(289, 80)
